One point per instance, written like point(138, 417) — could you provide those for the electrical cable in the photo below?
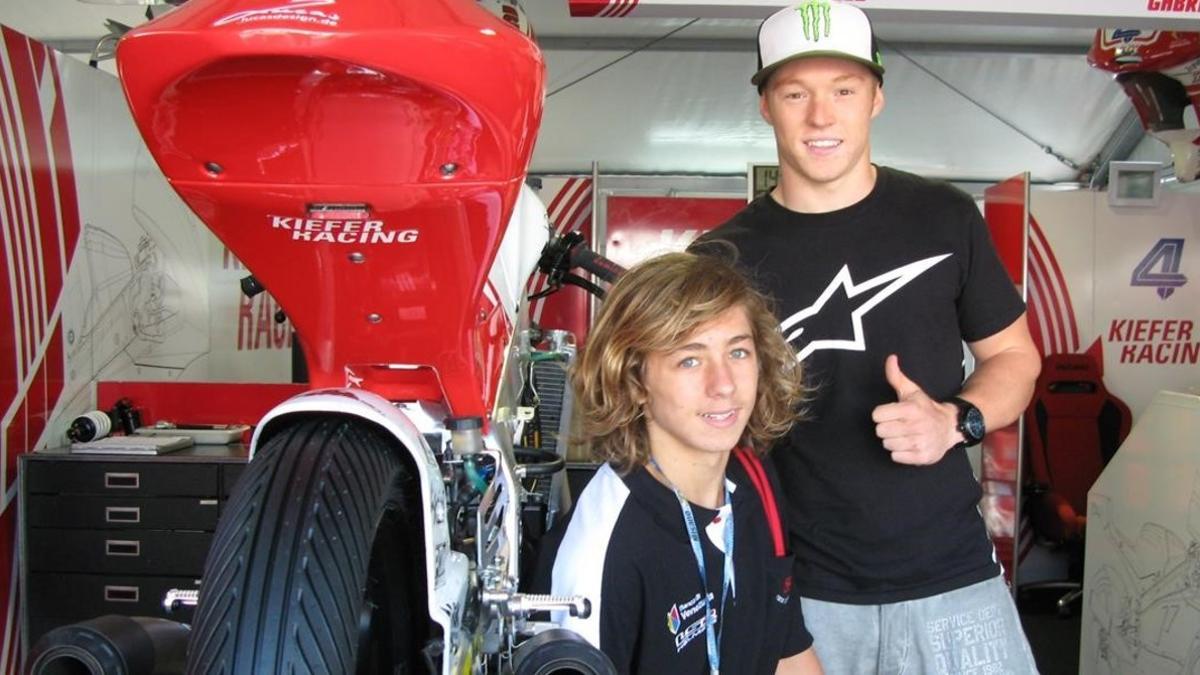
point(1048, 149)
point(622, 58)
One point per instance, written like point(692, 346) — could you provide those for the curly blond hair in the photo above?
point(654, 307)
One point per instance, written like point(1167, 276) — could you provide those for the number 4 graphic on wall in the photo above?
point(1160, 268)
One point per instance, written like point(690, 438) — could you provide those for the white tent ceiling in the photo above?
point(964, 101)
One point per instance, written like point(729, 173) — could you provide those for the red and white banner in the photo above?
point(41, 225)
point(248, 344)
point(642, 227)
point(1162, 14)
point(1122, 284)
point(107, 275)
point(1117, 283)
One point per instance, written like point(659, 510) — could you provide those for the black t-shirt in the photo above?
point(624, 546)
point(909, 270)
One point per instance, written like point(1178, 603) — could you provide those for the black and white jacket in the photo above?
point(625, 547)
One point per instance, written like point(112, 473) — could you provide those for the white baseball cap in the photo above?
point(816, 28)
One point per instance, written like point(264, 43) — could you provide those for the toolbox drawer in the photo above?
point(139, 513)
point(84, 596)
point(122, 478)
point(157, 552)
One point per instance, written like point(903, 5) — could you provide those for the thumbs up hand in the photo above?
point(915, 429)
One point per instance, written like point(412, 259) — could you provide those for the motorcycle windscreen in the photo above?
point(362, 160)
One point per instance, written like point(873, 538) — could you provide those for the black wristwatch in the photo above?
point(970, 422)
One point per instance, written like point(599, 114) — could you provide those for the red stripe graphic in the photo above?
point(582, 193)
point(25, 157)
point(23, 60)
point(1041, 314)
point(38, 53)
point(1050, 302)
point(632, 6)
point(1061, 283)
point(1053, 315)
point(550, 210)
point(1049, 298)
point(1037, 299)
point(40, 218)
point(68, 201)
point(12, 347)
point(581, 212)
point(587, 7)
point(1036, 313)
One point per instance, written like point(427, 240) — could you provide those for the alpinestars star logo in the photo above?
point(872, 291)
point(814, 13)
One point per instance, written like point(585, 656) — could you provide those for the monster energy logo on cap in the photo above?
point(816, 28)
point(815, 13)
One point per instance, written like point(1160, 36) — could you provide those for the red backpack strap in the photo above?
point(758, 478)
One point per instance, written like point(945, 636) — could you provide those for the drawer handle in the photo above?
point(121, 593)
point(122, 514)
point(122, 547)
point(127, 481)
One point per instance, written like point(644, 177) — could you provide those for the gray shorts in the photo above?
point(970, 631)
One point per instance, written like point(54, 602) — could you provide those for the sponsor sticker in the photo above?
point(681, 612)
point(295, 11)
point(341, 231)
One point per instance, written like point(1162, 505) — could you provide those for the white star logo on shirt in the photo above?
point(889, 281)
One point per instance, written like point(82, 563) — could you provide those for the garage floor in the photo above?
point(1054, 639)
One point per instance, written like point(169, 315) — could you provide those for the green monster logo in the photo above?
point(814, 13)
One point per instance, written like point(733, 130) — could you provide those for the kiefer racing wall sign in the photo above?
point(1183, 15)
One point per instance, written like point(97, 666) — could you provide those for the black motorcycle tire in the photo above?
point(317, 562)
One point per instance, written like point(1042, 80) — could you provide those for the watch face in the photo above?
point(972, 424)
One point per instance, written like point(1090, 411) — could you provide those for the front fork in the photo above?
point(505, 610)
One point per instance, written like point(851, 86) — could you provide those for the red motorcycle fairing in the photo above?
point(1125, 50)
point(1160, 73)
point(362, 159)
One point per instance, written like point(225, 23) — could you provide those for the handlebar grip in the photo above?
point(602, 267)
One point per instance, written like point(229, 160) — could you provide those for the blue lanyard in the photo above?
point(712, 636)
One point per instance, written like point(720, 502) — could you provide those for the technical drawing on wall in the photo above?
point(131, 310)
point(1144, 601)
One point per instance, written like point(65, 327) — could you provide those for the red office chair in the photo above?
point(1074, 427)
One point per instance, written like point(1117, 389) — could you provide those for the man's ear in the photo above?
point(764, 110)
point(877, 104)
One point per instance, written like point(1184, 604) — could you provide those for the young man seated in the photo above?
point(677, 540)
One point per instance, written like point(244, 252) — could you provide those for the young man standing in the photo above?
point(879, 276)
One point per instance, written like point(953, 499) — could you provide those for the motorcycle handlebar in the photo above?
point(570, 251)
point(587, 259)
